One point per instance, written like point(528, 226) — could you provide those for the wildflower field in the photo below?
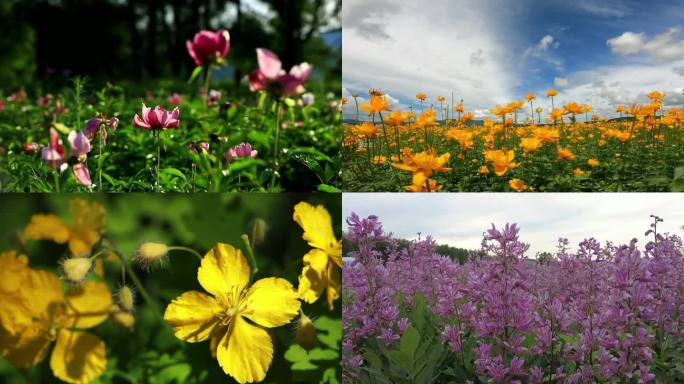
point(144, 288)
point(598, 314)
point(438, 147)
point(265, 135)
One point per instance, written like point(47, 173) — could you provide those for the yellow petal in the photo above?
point(223, 271)
point(215, 338)
point(317, 226)
point(245, 352)
point(334, 285)
point(271, 302)
point(41, 289)
point(47, 227)
point(192, 316)
point(14, 313)
point(313, 279)
point(13, 272)
point(88, 304)
point(78, 357)
point(27, 348)
point(79, 246)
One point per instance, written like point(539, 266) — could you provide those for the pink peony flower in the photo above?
point(54, 154)
point(80, 145)
point(208, 46)
point(175, 99)
point(113, 123)
point(82, 175)
point(157, 118)
point(270, 70)
point(2, 105)
point(214, 97)
point(239, 151)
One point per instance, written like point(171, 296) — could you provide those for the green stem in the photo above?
point(186, 249)
point(276, 165)
point(158, 133)
point(207, 81)
point(138, 284)
point(99, 162)
point(250, 254)
point(55, 174)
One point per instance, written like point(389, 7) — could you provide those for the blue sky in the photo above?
point(603, 53)
point(459, 219)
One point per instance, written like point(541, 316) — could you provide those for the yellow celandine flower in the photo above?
point(13, 275)
point(517, 185)
point(593, 163)
point(502, 161)
point(530, 144)
point(78, 356)
point(88, 226)
point(234, 316)
point(323, 264)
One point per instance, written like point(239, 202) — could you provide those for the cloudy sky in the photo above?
point(601, 52)
point(459, 219)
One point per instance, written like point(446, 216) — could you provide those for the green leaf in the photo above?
point(330, 376)
point(195, 73)
point(62, 128)
point(174, 172)
point(330, 331)
point(323, 354)
point(409, 341)
point(328, 188)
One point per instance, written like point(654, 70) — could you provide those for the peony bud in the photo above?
point(306, 332)
point(149, 253)
point(126, 298)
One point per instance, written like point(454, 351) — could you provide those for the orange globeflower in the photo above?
point(376, 104)
point(656, 96)
point(530, 144)
point(546, 135)
point(501, 111)
point(530, 96)
point(619, 109)
point(538, 109)
point(458, 108)
point(517, 185)
point(425, 162)
point(578, 172)
point(420, 183)
point(379, 160)
point(593, 163)
point(502, 161)
point(421, 96)
point(483, 170)
point(551, 93)
point(565, 153)
point(441, 99)
point(463, 137)
point(396, 118)
point(365, 129)
point(573, 108)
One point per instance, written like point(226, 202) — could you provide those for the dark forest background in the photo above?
point(50, 41)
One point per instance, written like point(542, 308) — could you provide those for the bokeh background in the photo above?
point(47, 42)
point(150, 352)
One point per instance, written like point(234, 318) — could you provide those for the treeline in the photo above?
point(142, 39)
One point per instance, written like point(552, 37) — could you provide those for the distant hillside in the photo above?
point(333, 38)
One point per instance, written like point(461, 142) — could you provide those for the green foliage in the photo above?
point(322, 361)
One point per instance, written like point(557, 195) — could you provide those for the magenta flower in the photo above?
point(113, 123)
point(80, 145)
point(157, 118)
point(31, 147)
point(208, 46)
point(92, 126)
point(175, 99)
point(2, 105)
point(271, 71)
point(240, 151)
point(54, 154)
point(82, 175)
point(213, 97)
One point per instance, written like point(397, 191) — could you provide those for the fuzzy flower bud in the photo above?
point(76, 268)
point(306, 332)
point(123, 318)
point(149, 253)
point(126, 298)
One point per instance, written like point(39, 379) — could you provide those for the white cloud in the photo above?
point(664, 47)
point(459, 219)
point(603, 8)
point(560, 82)
point(542, 51)
point(426, 51)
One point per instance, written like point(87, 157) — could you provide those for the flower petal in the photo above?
point(78, 357)
point(334, 285)
point(47, 227)
point(41, 289)
point(317, 226)
point(192, 316)
point(27, 348)
point(269, 63)
point(271, 302)
point(223, 271)
point(88, 304)
point(245, 352)
point(313, 279)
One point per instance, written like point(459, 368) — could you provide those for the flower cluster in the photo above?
point(599, 314)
